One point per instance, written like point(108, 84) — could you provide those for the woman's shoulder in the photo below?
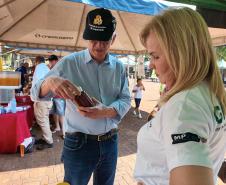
point(198, 95)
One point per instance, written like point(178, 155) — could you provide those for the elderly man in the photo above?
point(91, 140)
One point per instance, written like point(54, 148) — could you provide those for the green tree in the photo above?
point(221, 52)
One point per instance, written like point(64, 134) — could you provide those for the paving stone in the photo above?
point(45, 167)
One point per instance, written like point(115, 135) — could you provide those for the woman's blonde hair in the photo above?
point(185, 40)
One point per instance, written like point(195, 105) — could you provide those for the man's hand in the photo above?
point(98, 112)
point(140, 183)
point(59, 87)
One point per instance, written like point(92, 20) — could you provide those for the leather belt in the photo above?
point(101, 137)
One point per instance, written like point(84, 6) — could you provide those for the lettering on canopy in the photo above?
point(38, 35)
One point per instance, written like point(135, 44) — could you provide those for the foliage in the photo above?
point(221, 52)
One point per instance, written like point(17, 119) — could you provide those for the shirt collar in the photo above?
point(89, 59)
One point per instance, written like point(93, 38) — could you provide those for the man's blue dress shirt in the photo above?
point(106, 82)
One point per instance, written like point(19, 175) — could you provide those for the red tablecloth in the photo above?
point(24, 101)
point(13, 130)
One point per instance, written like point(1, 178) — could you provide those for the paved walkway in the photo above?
point(45, 168)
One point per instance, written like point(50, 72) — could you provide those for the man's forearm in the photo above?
point(44, 89)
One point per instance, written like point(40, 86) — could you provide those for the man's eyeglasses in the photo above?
point(105, 43)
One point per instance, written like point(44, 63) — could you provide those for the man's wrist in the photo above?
point(110, 112)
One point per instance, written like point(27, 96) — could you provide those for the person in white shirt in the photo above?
point(59, 104)
point(42, 108)
point(137, 90)
point(184, 144)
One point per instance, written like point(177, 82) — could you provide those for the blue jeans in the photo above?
point(82, 157)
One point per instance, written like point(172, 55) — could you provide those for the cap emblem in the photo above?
point(98, 20)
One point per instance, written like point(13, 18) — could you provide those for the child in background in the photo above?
point(137, 90)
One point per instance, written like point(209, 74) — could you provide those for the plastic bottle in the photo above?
point(13, 105)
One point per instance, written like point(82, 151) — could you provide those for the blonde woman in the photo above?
point(184, 144)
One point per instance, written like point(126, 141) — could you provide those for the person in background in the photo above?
point(91, 133)
point(53, 59)
point(23, 70)
point(58, 109)
point(42, 108)
point(185, 142)
point(137, 90)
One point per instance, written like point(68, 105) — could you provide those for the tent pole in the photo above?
point(136, 71)
point(0, 48)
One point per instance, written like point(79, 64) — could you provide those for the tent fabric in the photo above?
point(58, 24)
point(150, 7)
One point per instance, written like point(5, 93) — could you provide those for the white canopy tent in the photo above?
point(58, 25)
point(42, 52)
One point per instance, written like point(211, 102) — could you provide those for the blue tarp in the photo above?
point(148, 7)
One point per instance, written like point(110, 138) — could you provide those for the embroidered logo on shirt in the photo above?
point(218, 114)
point(186, 137)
